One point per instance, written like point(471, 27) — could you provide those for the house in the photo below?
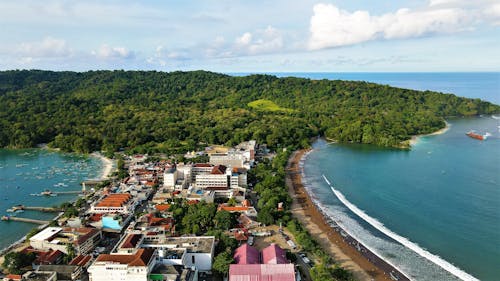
point(118, 267)
point(45, 257)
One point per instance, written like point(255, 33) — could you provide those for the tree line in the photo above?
point(149, 111)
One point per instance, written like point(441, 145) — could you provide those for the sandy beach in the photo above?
point(108, 165)
point(362, 263)
point(414, 139)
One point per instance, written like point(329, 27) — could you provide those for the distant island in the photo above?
point(151, 112)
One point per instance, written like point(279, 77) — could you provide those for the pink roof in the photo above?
point(262, 272)
point(246, 254)
point(273, 254)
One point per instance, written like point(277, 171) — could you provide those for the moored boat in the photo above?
point(474, 135)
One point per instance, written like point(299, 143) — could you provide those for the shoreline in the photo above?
point(108, 165)
point(344, 249)
point(415, 139)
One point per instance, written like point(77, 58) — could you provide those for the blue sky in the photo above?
point(251, 36)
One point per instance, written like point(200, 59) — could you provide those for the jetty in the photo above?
point(7, 218)
point(55, 193)
point(32, 208)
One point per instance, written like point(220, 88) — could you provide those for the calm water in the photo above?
point(443, 196)
point(25, 172)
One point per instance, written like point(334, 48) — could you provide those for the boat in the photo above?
point(46, 192)
point(10, 210)
point(474, 135)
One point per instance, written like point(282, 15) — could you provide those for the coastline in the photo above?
point(108, 165)
point(414, 139)
point(344, 249)
point(21, 243)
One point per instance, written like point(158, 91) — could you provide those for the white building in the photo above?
point(191, 252)
point(121, 267)
point(83, 239)
point(121, 203)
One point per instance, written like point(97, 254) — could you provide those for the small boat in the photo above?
point(474, 135)
point(10, 210)
point(46, 192)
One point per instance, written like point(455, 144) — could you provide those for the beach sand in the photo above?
point(414, 139)
point(108, 165)
point(330, 240)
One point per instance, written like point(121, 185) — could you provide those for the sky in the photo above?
point(251, 36)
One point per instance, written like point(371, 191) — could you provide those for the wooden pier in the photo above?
point(6, 218)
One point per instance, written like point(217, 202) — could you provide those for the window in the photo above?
point(192, 259)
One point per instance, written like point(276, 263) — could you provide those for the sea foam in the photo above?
point(404, 241)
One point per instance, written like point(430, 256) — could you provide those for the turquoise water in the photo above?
point(443, 195)
point(29, 171)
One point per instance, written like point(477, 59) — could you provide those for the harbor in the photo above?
point(10, 218)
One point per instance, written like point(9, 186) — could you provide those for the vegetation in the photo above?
point(15, 261)
point(201, 218)
point(267, 105)
point(171, 113)
point(222, 262)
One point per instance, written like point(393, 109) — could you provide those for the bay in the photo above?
point(31, 171)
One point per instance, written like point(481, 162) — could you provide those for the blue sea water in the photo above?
point(30, 171)
point(442, 196)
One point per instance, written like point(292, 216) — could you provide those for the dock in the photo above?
point(6, 218)
point(32, 208)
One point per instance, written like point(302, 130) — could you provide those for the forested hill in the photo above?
point(158, 111)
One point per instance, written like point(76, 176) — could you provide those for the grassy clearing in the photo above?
point(267, 105)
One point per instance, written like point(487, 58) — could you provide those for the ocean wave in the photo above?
point(402, 240)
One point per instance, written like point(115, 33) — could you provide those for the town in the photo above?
point(202, 218)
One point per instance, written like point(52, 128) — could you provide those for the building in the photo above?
point(83, 239)
point(190, 252)
point(217, 178)
point(231, 158)
point(262, 272)
point(115, 203)
point(270, 265)
point(119, 267)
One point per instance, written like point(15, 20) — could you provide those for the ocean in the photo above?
point(31, 171)
point(433, 211)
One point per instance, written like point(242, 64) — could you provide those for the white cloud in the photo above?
point(48, 47)
point(262, 41)
point(333, 27)
point(244, 39)
point(108, 52)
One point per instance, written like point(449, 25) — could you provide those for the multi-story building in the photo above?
point(121, 267)
point(83, 239)
point(121, 203)
point(190, 252)
point(219, 177)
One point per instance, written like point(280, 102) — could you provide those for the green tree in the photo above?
point(15, 261)
point(222, 262)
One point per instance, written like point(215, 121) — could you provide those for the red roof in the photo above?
point(202, 165)
point(14, 277)
point(233, 209)
point(80, 260)
point(141, 258)
point(262, 272)
point(162, 207)
point(246, 254)
point(273, 254)
point(131, 240)
point(114, 200)
point(44, 257)
point(219, 170)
